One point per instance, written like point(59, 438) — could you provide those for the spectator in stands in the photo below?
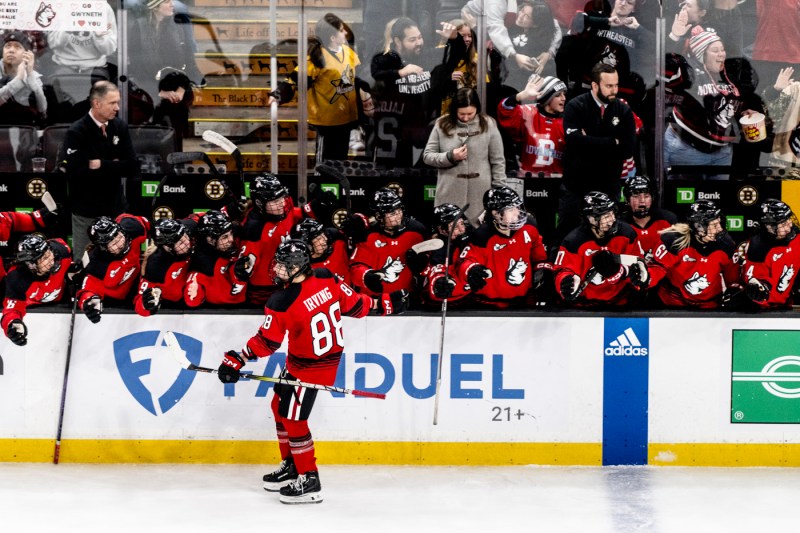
point(333, 84)
point(466, 148)
point(643, 216)
point(22, 99)
point(459, 66)
point(776, 45)
point(722, 15)
point(98, 155)
point(533, 120)
point(598, 263)
point(39, 277)
point(403, 96)
point(216, 275)
point(601, 135)
point(693, 265)
point(770, 260)
point(504, 253)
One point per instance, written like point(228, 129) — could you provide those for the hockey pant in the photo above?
point(291, 407)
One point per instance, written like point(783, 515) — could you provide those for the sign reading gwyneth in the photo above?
point(30, 15)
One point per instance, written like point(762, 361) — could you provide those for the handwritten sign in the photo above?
point(53, 16)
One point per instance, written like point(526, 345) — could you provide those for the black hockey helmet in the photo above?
point(386, 200)
point(446, 214)
point(497, 200)
point(638, 185)
point(307, 230)
point(295, 256)
point(33, 247)
point(266, 188)
point(104, 230)
point(168, 231)
point(701, 214)
point(214, 224)
point(775, 212)
point(595, 205)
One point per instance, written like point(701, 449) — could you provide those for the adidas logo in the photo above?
point(627, 343)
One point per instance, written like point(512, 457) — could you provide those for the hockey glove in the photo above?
point(46, 218)
point(758, 291)
point(323, 203)
point(476, 277)
point(373, 280)
point(544, 282)
point(639, 275)
point(569, 288)
point(608, 265)
point(228, 371)
point(392, 303)
point(356, 227)
point(734, 297)
point(235, 209)
point(443, 287)
point(151, 299)
point(93, 309)
point(416, 262)
point(243, 267)
point(17, 332)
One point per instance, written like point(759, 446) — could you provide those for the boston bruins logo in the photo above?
point(163, 212)
point(36, 188)
point(396, 187)
point(748, 195)
point(338, 217)
point(214, 189)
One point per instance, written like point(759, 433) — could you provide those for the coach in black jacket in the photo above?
point(601, 134)
point(98, 154)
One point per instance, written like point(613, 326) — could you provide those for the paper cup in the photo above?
point(754, 127)
point(38, 164)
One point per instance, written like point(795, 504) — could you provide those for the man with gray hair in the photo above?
point(98, 155)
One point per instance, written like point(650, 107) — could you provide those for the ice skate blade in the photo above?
point(276, 486)
point(314, 497)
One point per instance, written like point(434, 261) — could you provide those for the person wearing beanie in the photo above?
point(22, 99)
point(533, 119)
point(704, 122)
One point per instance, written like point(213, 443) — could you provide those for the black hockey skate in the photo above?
point(305, 489)
point(285, 474)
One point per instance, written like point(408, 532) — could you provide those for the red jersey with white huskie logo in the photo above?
point(387, 254)
point(693, 277)
point(511, 259)
point(575, 258)
point(540, 135)
point(115, 277)
point(212, 279)
point(338, 261)
point(23, 288)
point(776, 262)
point(311, 313)
point(649, 238)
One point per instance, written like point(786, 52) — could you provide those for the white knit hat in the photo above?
point(551, 87)
point(700, 40)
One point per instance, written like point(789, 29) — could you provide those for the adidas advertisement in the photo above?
point(765, 377)
point(626, 344)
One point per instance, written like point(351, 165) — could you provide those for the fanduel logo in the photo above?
point(626, 343)
point(150, 373)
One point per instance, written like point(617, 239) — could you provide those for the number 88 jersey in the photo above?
point(311, 312)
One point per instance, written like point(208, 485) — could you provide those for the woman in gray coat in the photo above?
point(466, 147)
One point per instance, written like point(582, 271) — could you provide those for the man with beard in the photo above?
point(601, 135)
point(402, 96)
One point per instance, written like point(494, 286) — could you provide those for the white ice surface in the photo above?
point(200, 498)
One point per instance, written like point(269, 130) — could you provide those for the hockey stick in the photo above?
point(428, 246)
point(49, 202)
point(172, 342)
point(328, 171)
point(223, 142)
point(444, 316)
point(57, 449)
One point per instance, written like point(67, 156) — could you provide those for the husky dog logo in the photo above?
point(392, 269)
point(45, 15)
point(785, 281)
point(515, 274)
point(696, 284)
point(152, 376)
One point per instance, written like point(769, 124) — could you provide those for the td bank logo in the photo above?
point(332, 187)
point(429, 193)
point(685, 195)
point(149, 189)
point(765, 377)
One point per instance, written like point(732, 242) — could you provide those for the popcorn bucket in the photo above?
point(754, 127)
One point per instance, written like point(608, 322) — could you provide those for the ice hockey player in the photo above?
point(385, 262)
point(37, 278)
point(589, 265)
point(216, 275)
point(643, 217)
point(114, 257)
point(771, 258)
point(309, 306)
point(12, 222)
point(328, 247)
point(449, 219)
point(503, 253)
